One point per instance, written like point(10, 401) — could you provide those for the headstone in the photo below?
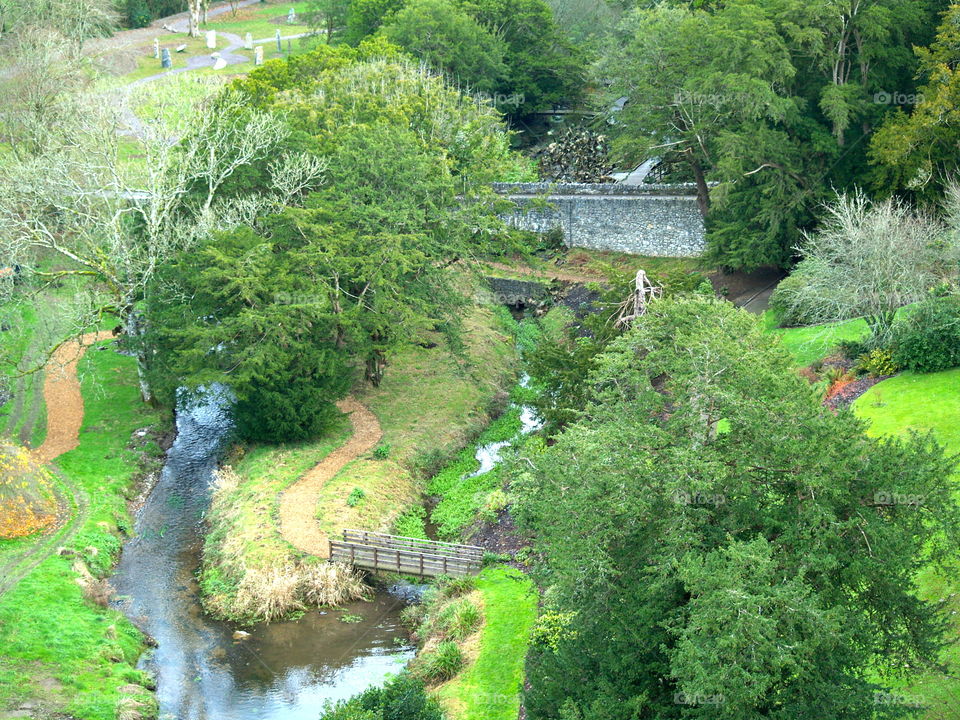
point(248, 42)
point(291, 17)
point(156, 48)
point(279, 44)
point(181, 48)
point(165, 60)
point(289, 46)
point(258, 55)
point(220, 64)
point(211, 39)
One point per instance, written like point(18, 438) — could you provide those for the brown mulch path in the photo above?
point(850, 392)
point(298, 504)
point(61, 391)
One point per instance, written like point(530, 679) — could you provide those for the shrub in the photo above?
point(451, 587)
point(440, 664)
point(382, 451)
point(27, 502)
point(495, 503)
point(928, 340)
point(853, 349)
point(412, 523)
point(138, 13)
point(877, 363)
point(782, 303)
point(356, 495)
point(402, 698)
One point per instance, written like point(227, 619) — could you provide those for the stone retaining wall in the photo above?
point(658, 220)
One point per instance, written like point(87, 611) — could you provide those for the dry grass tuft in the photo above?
point(331, 583)
point(269, 593)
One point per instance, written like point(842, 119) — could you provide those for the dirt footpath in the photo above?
point(61, 391)
point(298, 504)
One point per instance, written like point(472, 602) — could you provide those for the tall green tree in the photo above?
point(243, 310)
point(720, 544)
point(447, 38)
point(916, 149)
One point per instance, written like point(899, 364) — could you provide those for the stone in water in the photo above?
point(248, 42)
point(211, 39)
point(258, 55)
point(165, 60)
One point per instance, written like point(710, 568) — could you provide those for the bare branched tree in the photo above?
point(870, 259)
point(116, 225)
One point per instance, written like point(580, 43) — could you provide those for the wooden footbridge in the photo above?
point(408, 556)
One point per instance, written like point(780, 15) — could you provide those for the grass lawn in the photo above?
point(56, 648)
point(489, 689)
point(809, 344)
point(262, 20)
point(930, 402)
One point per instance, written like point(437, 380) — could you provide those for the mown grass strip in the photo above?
point(489, 689)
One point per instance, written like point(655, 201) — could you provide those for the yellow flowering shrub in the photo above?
point(27, 502)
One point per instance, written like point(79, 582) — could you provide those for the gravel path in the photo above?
point(298, 504)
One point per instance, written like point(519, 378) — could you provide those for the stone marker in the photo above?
point(156, 48)
point(291, 17)
point(248, 42)
point(181, 48)
point(211, 39)
point(165, 60)
point(258, 55)
point(288, 47)
point(220, 64)
point(279, 44)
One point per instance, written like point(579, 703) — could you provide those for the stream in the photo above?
point(282, 670)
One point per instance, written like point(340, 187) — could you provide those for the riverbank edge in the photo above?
point(73, 653)
point(489, 371)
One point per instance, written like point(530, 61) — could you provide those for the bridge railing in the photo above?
point(408, 556)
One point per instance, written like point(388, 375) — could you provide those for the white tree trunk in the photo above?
point(195, 7)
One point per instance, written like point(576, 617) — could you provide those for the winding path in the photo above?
point(61, 391)
point(298, 504)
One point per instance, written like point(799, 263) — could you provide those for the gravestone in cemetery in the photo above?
point(279, 44)
point(291, 17)
point(258, 55)
point(165, 60)
point(248, 42)
point(156, 48)
point(211, 39)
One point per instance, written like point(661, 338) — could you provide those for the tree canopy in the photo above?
point(720, 544)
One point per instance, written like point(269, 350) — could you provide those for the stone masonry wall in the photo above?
point(658, 220)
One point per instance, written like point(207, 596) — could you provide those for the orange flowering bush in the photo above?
point(27, 502)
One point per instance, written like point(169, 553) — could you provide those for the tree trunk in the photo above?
point(374, 368)
point(195, 17)
point(133, 327)
point(703, 191)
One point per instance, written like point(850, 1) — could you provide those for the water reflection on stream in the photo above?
point(283, 670)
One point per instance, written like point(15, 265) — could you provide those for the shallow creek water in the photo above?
point(282, 670)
